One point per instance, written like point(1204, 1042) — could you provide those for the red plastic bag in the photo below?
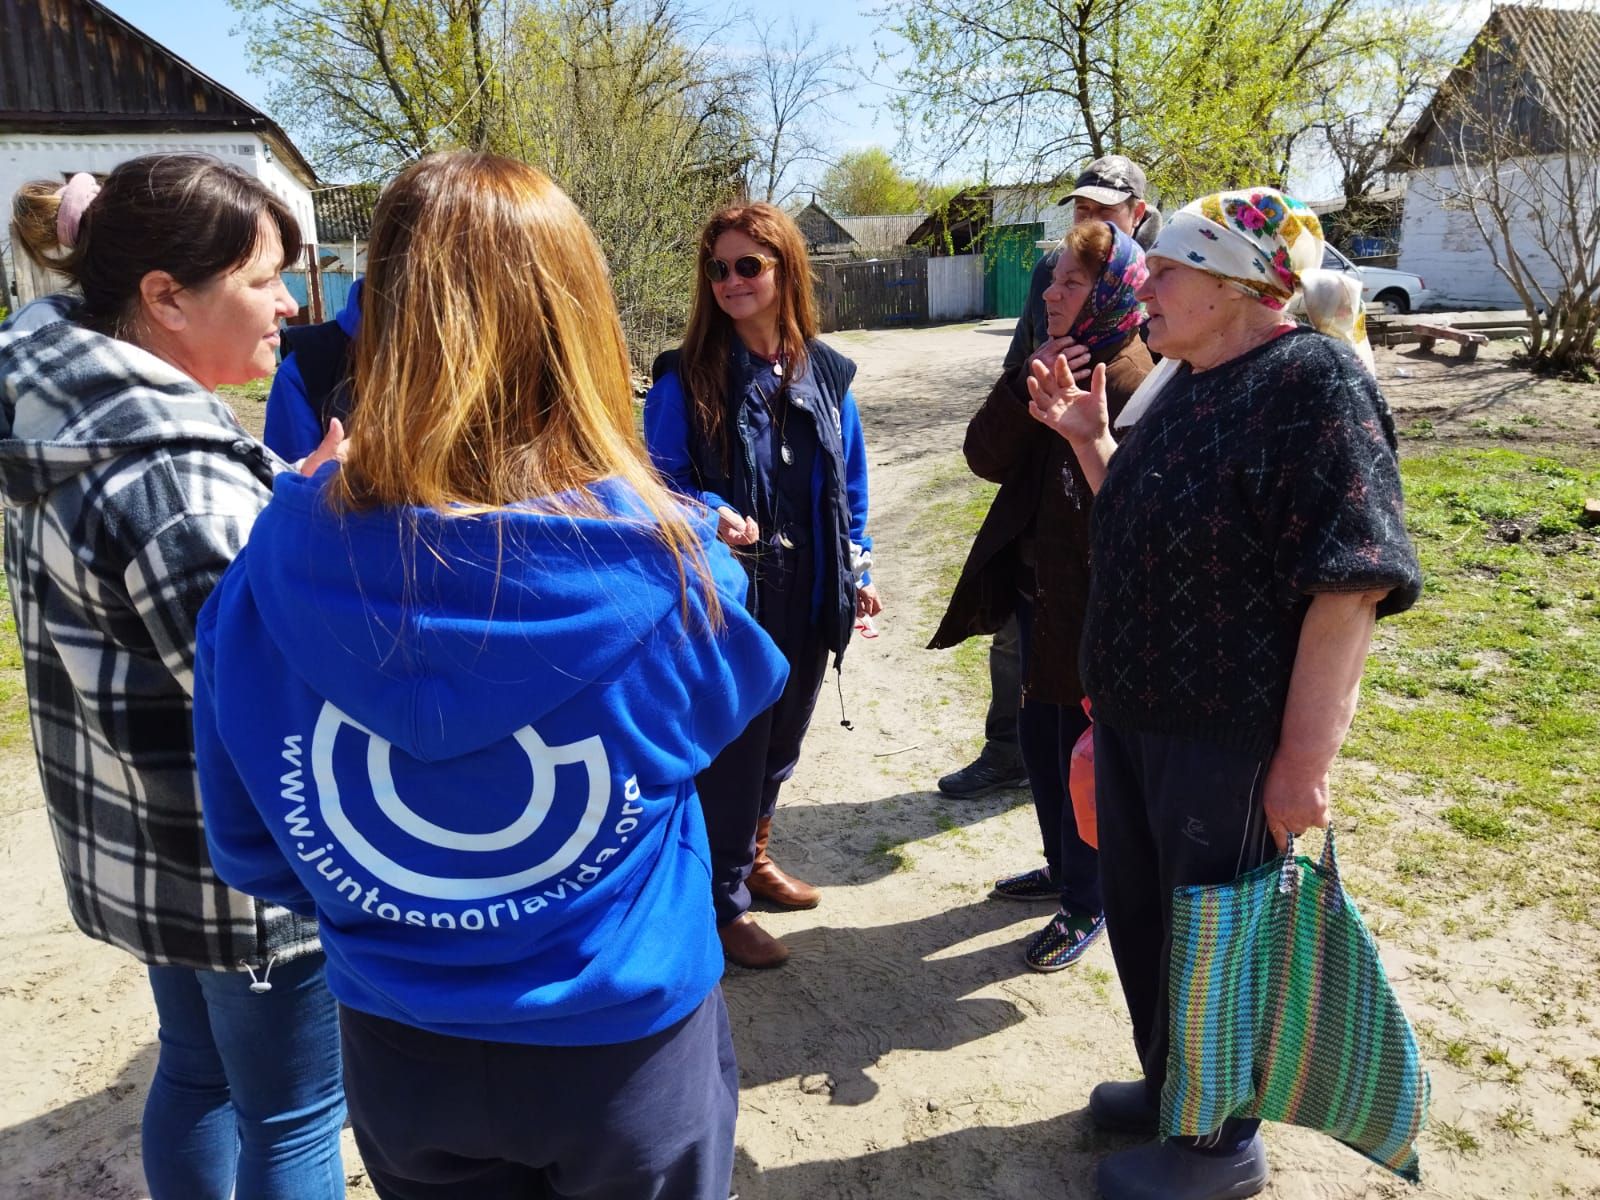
point(1080, 782)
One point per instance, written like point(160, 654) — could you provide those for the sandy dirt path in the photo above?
point(906, 1051)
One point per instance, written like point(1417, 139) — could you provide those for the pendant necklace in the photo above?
point(784, 452)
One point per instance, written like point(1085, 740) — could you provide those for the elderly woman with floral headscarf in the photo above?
point(1247, 532)
point(1031, 558)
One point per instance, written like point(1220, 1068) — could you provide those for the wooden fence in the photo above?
point(872, 295)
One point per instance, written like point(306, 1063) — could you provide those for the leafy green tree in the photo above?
point(867, 182)
point(627, 104)
point(1202, 93)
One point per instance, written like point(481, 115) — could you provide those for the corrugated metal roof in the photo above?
point(874, 232)
point(1554, 51)
point(344, 214)
point(76, 65)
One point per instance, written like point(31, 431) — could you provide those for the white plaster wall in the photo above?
point(1440, 241)
point(271, 171)
point(27, 156)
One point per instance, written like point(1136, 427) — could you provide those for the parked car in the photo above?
point(1393, 291)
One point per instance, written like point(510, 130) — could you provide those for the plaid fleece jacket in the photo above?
point(127, 490)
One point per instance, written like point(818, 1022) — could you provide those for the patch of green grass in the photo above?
point(1484, 824)
point(14, 730)
point(1484, 700)
point(892, 854)
point(1516, 1122)
point(1499, 1060)
point(1421, 428)
point(1454, 1138)
point(953, 506)
point(255, 391)
point(1458, 1053)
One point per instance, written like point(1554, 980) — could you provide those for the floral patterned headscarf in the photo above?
point(1111, 312)
point(1269, 246)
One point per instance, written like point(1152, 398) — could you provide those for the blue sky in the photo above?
point(202, 32)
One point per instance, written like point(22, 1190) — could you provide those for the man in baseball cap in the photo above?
point(1111, 188)
point(1110, 181)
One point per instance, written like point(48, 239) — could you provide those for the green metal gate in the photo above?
point(1010, 255)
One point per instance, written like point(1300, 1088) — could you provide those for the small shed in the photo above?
point(957, 225)
point(825, 236)
point(83, 90)
point(1537, 70)
point(1367, 227)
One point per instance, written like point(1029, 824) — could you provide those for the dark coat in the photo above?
point(1041, 485)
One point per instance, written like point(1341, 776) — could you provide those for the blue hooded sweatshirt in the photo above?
point(468, 744)
point(293, 428)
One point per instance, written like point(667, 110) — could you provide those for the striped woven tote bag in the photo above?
point(1281, 1010)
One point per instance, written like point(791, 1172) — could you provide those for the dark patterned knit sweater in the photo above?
point(1240, 493)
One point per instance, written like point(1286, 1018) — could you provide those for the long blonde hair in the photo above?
point(708, 342)
point(490, 367)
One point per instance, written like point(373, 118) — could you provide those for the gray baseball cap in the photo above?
point(1109, 180)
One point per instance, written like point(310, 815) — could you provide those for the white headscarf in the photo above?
point(1269, 246)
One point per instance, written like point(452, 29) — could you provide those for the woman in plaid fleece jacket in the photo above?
point(128, 487)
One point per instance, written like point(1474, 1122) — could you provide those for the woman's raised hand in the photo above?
point(1064, 347)
point(1056, 400)
point(736, 530)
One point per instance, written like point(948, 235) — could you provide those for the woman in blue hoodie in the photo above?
point(754, 418)
point(452, 699)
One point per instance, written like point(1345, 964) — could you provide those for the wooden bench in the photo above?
point(1469, 341)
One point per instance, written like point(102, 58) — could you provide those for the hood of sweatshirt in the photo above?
point(444, 634)
point(492, 726)
point(71, 399)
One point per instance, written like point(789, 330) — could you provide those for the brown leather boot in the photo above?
point(769, 882)
point(747, 944)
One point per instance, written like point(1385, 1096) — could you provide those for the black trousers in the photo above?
point(1171, 811)
point(1046, 734)
point(740, 787)
point(1005, 691)
point(441, 1118)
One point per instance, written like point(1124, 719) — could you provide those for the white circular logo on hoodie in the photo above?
point(543, 758)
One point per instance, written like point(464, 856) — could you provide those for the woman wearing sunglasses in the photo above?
point(754, 418)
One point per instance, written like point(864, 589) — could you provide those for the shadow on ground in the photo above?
point(93, 1143)
point(1055, 1158)
point(844, 844)
point(909, 988)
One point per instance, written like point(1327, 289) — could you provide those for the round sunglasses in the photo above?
point(746, 266)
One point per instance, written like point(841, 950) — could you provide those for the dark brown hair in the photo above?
point(703, 366)
point(189, 215)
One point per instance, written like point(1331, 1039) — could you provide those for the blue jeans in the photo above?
point(248, 1095)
